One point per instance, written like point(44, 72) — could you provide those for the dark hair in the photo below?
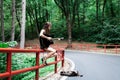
point(46, 25)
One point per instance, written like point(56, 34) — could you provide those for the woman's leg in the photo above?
point(51, 53)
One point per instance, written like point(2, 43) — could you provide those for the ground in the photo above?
point(87, 60)
point(85, 46)
point(58, 43)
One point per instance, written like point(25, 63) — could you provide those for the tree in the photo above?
point(23, 20)
point(13, 21)
point(118, 10)
point(103, 9)
point(97, 9)
point(18, 11)
point(37, 14)
point(112, 9)
point(2, 20)
point(70, 9)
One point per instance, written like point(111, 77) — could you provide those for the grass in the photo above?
point(48, 69)
point(25, 61)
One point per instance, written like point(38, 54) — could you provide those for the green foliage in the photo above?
point(21, 61)
point(12, 43)
point(8, 44)
point(109, 34)
point(2, 62)
point(3, 45)
point(86, 26)
point(58, 29)
point(86, 32)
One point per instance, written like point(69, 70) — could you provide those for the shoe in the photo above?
point(43, 61)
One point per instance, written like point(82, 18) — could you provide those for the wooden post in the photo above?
point(9, 62)
point(37, 64)
point(63, 58)
point(105, 48)
point(56, 64)
point(116, 48)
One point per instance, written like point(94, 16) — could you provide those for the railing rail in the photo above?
point(105, 48)
point(9, 73)
point(100, 48)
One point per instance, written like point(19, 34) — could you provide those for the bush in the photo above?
point(24, 61)
point(88, 32)
point(109, 34)
point(2, 62)
point(8, 44)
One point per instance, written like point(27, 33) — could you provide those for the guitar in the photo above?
point(45, 42)
point(52, 40)
point(58, 38)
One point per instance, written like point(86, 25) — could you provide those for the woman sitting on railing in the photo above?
point(45, 42)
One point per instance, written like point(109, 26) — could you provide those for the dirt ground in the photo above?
point(56, 42)
point(84, 46)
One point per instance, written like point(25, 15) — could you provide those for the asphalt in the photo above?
point(94, 66)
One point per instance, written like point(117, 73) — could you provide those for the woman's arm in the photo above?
point(42, 35)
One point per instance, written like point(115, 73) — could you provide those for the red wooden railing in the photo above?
point(86, 47)
point(100, 48)
point(9, 73)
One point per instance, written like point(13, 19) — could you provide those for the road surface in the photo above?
point(94, 66)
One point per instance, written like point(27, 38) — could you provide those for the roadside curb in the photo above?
point(72, 67)
point(95, 52)
point(68, 65)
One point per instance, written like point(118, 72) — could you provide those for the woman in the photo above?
point(45, 41)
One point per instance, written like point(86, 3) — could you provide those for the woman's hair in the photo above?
point(46, 26)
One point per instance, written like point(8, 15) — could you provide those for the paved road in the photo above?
point(95, 66)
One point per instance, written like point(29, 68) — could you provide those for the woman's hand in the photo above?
point(49, 38)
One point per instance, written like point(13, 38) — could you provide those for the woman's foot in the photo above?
point(44, 61)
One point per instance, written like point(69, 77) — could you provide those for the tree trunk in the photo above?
point(78, 19)
point(112, 9)
point(22, 37)
point(13, 21)
point(69, 9)
point(97, 9)
point(68, 23)
point(2, 20)
point(46, 11)
point(103, 9)
point(83, 20)
point(119, 10)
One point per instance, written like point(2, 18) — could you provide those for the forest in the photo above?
point(81, 20)
point(95, 21)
